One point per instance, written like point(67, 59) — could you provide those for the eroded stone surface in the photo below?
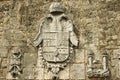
point(77, 71)
point(97, 23)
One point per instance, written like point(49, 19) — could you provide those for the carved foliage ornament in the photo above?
point(55, 39)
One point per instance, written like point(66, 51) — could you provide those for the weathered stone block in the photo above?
point(28, 73)
point(3, 52)
point(39, 73)
point(4, 42)
point(5, 72)
point(65, 73)
point(119, 69)
point(77, 71)
point(116, 53)
point(4, 63)
point(30, 59)
point(1, 73)
point(79, 56)
point(47, 75)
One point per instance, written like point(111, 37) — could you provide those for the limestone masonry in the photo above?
point(59, 39)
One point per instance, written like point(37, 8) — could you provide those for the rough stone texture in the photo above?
point(77, 71)
point(28, 73)
point(98, 28)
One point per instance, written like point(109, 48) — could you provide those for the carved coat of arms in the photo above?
point(56, 38)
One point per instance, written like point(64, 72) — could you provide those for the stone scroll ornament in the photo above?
point(55, 39)
point(15, 64)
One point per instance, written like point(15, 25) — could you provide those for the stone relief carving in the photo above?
point(15, 64)
point(55, 39)
point(103, 71)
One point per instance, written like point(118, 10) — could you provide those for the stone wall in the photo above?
point(97, 25)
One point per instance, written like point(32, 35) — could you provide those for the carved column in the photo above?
point(105, 62)
point(105, 71)
point(90, 62)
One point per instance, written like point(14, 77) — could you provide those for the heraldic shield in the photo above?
point(55, 39)
point(55, 46)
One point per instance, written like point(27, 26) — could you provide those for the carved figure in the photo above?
point(101, 72)
point(56, 38)
point(15, 64)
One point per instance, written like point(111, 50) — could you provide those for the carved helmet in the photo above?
point(57, 7)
